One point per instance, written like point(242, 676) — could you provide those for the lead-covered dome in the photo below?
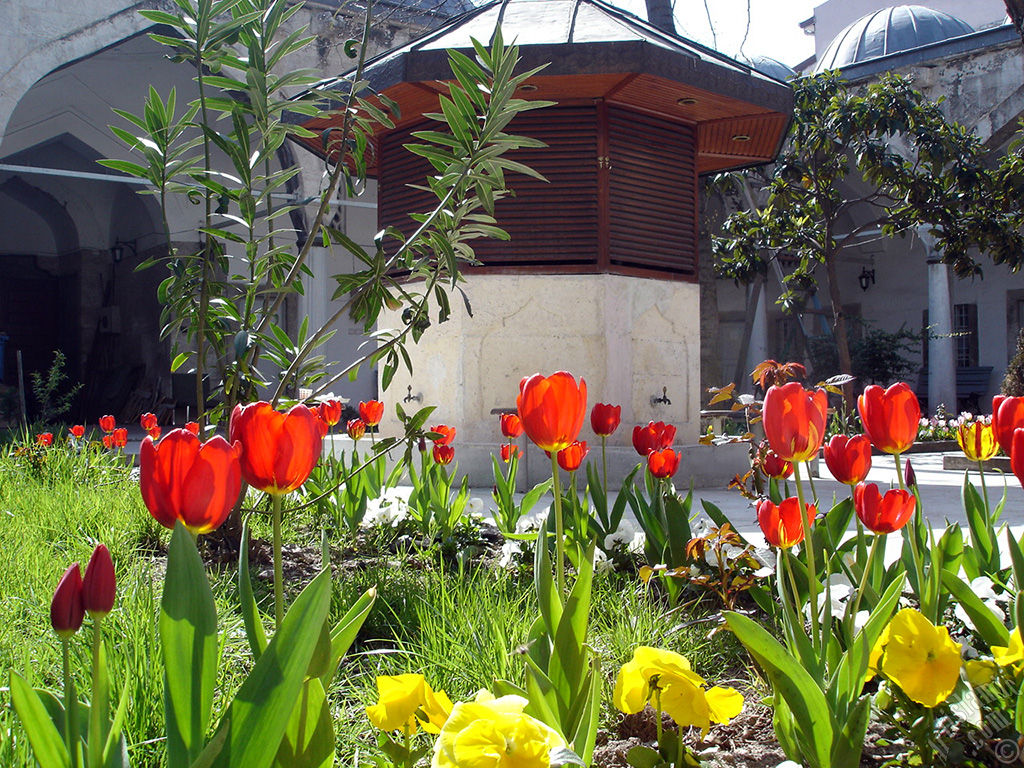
point(888, 31)
point(774, 68)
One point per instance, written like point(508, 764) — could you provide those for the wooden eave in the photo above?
point(741, 120)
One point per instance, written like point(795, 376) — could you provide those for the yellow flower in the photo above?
point(494, 733)
point(977, 440)
point(1013, 653)
point(920, 658)
point(980, 672)
point(653, 671)
point(405, 700)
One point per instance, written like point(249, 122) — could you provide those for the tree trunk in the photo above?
point(839, 329)
point(1015, 9)
point(659, 13)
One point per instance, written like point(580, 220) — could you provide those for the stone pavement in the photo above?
point(939, 490)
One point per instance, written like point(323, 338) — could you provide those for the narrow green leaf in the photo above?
point(188, 635)
point(257, 717)
point(346, 630)
point(255, 633)
point(813, 721)
point(46, 740)
point(985, 623)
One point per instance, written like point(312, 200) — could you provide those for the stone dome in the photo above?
point(773, 68)
point(889, 31)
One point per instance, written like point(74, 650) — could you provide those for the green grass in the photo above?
point(462, 629)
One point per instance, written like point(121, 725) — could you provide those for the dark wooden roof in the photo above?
point(597, 51)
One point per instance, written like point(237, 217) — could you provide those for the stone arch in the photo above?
point(64, 49)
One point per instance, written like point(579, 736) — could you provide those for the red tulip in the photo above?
point(66, 610)
point(794, 420)
point(848, 458)
point(1017, 454)
point(783, 525)
point(605, 419)
point(447, 434)
point(193, 427)
point(355, 428)
point(182, 478)
point(99, 585)
point(371, 412)
point(155, 433)
point(891, 417)
point(108, 442)
point(120, 437)
point(443, 454)
point(909, 475)
point(883, 514)
point(656, 436)
point(1007, 415)
point(773, 466)
point(511, 426)
point(279, 450)
point(77, 431)
point(570, 457)
point(44, 438)
point(508, 451)
point(552, 409)
point(108, 423)
point(148, 421)
point(663, 463)
point(330, 412)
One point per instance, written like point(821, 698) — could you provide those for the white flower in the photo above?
point(729, 551)
point(983, 587)
point(601, 562)
point(745, 399)
point(639, 541)
point(475, 506)
point(390, 509)
point(621, 536)
point(510, 550)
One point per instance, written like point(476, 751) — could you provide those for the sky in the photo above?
point(774, 25)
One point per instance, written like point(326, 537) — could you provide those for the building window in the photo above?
point(965, 331)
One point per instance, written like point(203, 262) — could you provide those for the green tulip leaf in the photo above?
point(259, 714)
point(309, 738)
point(814, 725)
point(346, 630)
point(254, 630)
point(43, 733)
point(849, 746)
point(188, 634)
point(985, 622)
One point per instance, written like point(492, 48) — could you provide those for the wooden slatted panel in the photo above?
point(553, 224)
point(652, 196)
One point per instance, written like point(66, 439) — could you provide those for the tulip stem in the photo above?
point(864, 580)
point(899, 472)
point(810, 481)
point(812, 571)
point(559, 529)
point(70, 705)
point(604, 473)
point(275, 500)
point(984, 491)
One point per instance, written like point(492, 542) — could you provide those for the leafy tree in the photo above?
point(882, 157)
point(222, 151)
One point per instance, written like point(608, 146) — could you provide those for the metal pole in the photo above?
point(21, 391)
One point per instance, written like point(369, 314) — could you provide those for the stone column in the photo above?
point(314, 304)
point(757, 351)
point(941, 344)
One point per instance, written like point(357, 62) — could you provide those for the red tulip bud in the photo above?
point(909, 475)
point(66, 611)
point(99, 584)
